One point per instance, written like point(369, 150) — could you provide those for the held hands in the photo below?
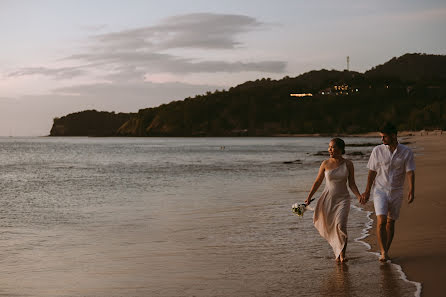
point(364, 197)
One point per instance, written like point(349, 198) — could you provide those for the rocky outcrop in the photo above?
point(89, 123)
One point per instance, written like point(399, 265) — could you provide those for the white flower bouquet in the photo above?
point(299, 209)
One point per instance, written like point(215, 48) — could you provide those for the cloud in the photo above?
point(139, 62)
point(143, 49)
point(130, 54)
point(197, 30)
point(56, 73)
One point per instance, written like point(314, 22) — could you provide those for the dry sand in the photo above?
point(419, 245)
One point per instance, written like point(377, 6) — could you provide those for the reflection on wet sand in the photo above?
point(388, 285)
point(349, 279)
point(338, 282)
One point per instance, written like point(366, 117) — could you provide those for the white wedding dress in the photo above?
point(331, 211)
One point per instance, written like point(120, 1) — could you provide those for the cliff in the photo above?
point(89, 123)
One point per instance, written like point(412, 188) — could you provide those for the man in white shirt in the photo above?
point(388, 165)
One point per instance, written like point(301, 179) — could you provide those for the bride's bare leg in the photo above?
point(342, 256)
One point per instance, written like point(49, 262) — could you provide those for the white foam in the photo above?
point(404, 278)
point(365, 233)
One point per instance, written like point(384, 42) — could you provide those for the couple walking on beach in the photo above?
point(388, 166)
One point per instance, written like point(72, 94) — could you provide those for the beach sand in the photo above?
point(419, 245)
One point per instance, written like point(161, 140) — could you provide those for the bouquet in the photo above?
point(299, 209)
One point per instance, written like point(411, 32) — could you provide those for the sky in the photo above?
point(60, 57)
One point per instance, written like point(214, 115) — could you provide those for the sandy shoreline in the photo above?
point(368, 134)
point(419, 245)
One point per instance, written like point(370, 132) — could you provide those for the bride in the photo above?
point(331, 212)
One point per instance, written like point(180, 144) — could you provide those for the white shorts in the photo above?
point(388, 203)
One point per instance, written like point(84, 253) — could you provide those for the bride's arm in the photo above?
point(351, 179)
point(317, 183)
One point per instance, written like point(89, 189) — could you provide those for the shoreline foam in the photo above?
point(365, 233)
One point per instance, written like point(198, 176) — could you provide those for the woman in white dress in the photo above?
point(331, 212)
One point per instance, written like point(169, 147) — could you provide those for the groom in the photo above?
point(388, 165)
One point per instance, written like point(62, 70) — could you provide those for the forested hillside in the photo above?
point(409, 90)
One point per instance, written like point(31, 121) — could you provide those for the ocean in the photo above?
point(177, 217)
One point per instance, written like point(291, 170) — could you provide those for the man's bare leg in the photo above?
point(390, 229)
point(381, 233)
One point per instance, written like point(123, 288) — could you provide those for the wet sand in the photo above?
point(419, 245)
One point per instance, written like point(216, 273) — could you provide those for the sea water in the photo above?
point(176, 217)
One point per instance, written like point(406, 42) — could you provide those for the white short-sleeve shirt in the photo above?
point(390, 167)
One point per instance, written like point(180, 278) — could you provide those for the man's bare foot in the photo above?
point(343, 259)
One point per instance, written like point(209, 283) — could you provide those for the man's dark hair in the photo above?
point(388, 128)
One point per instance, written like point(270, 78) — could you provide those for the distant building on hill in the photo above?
point(302, 95)
point(341, 89)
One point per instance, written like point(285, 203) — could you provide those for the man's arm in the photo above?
point(370, 181)
point(411, 180)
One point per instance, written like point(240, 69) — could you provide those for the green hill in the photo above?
point(89, 123)
point(412, 68)
point(409, 90)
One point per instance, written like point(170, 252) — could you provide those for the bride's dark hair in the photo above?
point(340, 144)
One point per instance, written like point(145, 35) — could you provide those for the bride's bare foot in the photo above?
point(343, 259)
point(338, 259)
point(384, 257)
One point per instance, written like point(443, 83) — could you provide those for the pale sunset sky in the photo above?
point(59, 57)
